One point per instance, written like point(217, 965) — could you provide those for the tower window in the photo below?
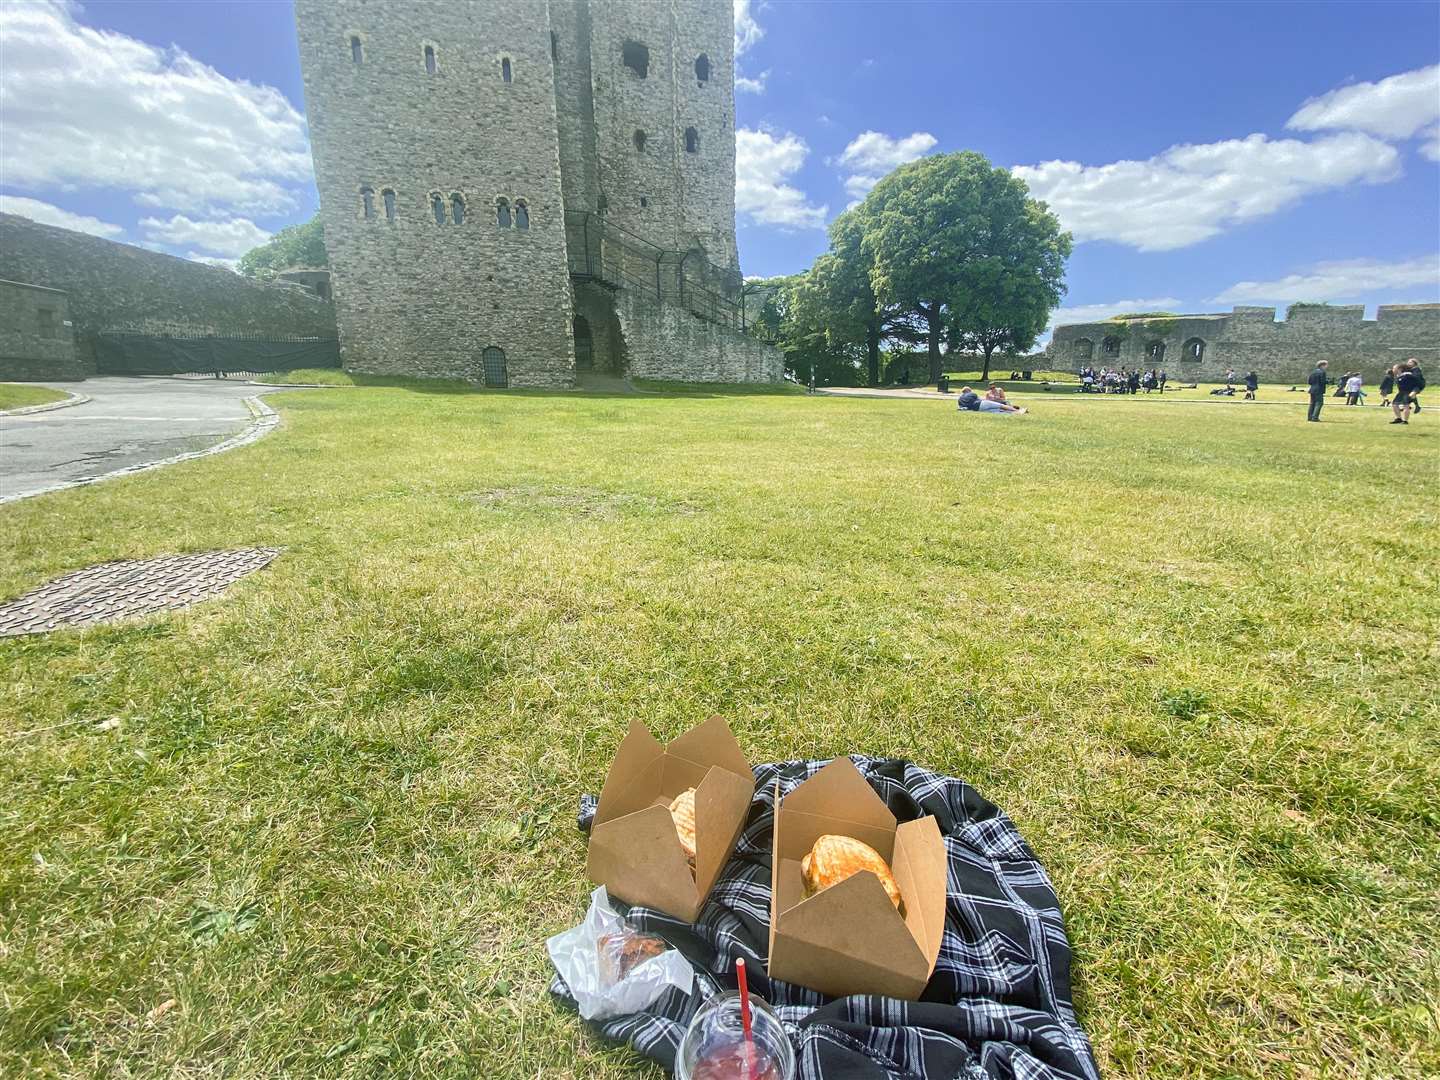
point(505, 72)
point(430, 66)
point(554, 46)
point(522, 214)
point(457, 208)
point(639, 139)
point(502, 213)
point(644, 200)
point(702, 68)
point(388, 198)
point(692, 141)
point(367, 203)
point(437, 207)
point(357, 49)
point(636, 57)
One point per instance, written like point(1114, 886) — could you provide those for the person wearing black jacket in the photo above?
point(1387, 386)
point(1317, 391)
point(1252, 383)
point(1410, 383)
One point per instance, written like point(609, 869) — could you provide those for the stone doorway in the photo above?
point(584, 345)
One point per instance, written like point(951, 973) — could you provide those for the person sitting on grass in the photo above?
point(969, 401)
point(996, 393)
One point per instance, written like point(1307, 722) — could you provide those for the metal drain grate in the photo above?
point(122, 590)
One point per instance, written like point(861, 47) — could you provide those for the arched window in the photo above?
point(457, 208)
point(1110, 346)
point(1084, 348)
point(357, 49)
point(522, 214)
point(367, 203)
point(493, 360)
point(388, 198)
point(1194, 351)
point(437, 207)
point(639, 140)
point(430, 66)
point(702, 68)
point(502, 213)
point(636, 57)
point(505, 72)
point(1155, 351)
point(692, 141)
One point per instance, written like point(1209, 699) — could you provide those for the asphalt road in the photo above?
point(126, 422)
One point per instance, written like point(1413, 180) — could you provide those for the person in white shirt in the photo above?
point(1353, 393)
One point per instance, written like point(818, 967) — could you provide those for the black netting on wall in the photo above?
point(163, 354)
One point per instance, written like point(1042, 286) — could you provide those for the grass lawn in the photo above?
point(23, 395)
point(1190, 650)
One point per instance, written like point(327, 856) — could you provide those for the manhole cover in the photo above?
point(122, 590)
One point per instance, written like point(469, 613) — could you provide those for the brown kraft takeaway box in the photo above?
point(849, 938)
point(634, 849)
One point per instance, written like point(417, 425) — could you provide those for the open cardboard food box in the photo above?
point(634, 849)
point(849, 938)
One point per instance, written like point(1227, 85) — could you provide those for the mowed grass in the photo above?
point(1190, 649)
point(23, 395)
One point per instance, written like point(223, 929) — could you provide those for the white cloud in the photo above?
point(212, 260)
point(871, 155)
point(1088, 313)
point(232, 237)
point(1190, 193)
point(47, 214)
point(97, 109)
point(1431, 146)
point(756, 85)
point(763, 162)
point(1393, 108)
point(747, 30)
point(1347, 280)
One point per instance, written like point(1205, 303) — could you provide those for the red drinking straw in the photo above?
point(745, 1017)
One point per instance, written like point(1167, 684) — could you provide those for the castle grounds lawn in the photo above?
point(23, 395)
point(1191, 651)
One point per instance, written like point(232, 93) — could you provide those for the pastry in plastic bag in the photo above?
point(835, 858)
point(682, 809)
point(612, 969)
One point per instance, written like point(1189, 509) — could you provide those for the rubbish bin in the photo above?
point(942, 384)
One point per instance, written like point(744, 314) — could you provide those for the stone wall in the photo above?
point(114, 286)
point(415, 296)
point(664, 341)
point(1250, 339)
point(36, 338)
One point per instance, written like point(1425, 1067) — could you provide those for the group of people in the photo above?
point(1404, 381)
point(1123, 381)
point(994, 401)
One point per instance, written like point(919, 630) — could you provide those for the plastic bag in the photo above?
point(612, 968)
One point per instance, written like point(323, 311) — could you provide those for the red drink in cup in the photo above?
point(715, 1047)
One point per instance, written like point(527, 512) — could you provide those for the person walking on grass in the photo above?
point(1407, 386)
point(1414, 365)
point(1252, 383)
point(1161, 379)
point(1387, 385)
point(1317, 391)
point(1353, 393)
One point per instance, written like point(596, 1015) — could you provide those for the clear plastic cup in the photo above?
point(714, 1045)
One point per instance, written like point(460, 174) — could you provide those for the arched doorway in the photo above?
point(584, 344)
point(1155, 352)
point(495, 373)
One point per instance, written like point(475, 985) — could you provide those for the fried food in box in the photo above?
point(835, 858)
point(682, 809)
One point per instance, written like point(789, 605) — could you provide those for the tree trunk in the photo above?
point(872, 354)
point(985, 375)
point(932, 345)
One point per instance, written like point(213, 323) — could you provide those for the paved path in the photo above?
point(126, 422)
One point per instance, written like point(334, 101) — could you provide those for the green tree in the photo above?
point(780, 317)
point(294, 245)
point(963, 247)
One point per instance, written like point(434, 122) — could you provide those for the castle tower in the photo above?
point(511, 190)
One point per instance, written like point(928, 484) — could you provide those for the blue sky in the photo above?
point(1203, 154)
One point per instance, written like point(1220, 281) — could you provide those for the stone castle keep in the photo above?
point(1202, 347)
point(517, 191)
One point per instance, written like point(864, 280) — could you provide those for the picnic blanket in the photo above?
point(998, 1005)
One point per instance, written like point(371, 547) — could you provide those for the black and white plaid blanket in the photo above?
point(998, 1005)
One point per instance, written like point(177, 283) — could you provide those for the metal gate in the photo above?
point(494, 361)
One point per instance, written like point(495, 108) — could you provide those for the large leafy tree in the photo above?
point(294, 245)
point(781, 317)
point(963, 246)
point(836, 295)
